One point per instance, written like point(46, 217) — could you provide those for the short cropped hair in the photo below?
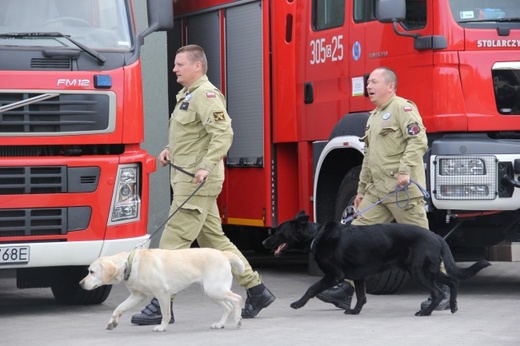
point(195, 53)
point(389, 75)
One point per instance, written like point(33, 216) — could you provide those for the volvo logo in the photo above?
point(73, 82)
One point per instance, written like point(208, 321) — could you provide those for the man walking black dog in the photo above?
point(345, 251)
point(395, 143)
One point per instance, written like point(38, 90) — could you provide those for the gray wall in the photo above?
point(155, 90)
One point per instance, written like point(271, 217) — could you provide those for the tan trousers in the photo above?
point(413, 213)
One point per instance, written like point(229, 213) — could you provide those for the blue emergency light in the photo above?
point(102, 81)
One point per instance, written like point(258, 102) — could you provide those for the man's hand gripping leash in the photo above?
point(351, 213)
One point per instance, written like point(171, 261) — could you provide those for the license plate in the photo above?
point(14, 254)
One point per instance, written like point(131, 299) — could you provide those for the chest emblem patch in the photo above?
point(387, 116)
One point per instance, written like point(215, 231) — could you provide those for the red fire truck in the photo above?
point(73, 175)
point(294, 73)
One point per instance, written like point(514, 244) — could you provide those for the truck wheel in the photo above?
point(66, 288)
point(347, 192)
point(386, 282)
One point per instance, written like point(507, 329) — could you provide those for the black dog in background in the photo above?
point(356, 252)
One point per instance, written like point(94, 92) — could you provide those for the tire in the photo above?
point(66, 288)
point(386, 282)
point(347, 192)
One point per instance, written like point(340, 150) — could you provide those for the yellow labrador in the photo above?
point(162, 273)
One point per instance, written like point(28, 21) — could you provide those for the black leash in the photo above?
point(397, 190)
point(182, 204)
point(180, 169)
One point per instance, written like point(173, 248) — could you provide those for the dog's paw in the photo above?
point(295, 306)
point(111, 325)
point(159, 328)
point(239, 324)
point(217, 326)
point(422, 313)
point(298, 304)
point(351, 312)
point(454, 308)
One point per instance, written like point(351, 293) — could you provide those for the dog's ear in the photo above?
point(299, 214)
point(109, 271)
point(301, 217)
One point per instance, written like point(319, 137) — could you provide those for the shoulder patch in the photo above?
point(413, 129)
point(211, 95)
point(407, 108)
point(219, 116)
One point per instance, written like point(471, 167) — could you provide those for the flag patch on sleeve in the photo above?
point(407, 108)
point(211, 95)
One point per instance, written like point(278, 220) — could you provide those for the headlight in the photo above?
point(126, 202)
point(464, 190)
point(466, 177)
point(462, 166)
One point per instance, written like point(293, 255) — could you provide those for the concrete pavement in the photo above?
point(489, 308)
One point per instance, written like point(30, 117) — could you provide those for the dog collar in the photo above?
point(128, 264)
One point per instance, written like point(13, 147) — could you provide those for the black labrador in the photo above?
point(356, 252)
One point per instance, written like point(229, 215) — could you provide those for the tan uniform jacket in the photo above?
point(395, 142)
point(200, 137)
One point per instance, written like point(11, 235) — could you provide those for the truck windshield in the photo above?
point(101, 25)
point(485, 11)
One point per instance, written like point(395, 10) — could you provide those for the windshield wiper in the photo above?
point(514, 19)
point(93, 53)
point(487, 20)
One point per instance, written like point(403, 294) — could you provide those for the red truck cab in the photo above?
point(73, 176)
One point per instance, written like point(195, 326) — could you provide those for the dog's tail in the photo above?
point(455, 271)
point(236, 263)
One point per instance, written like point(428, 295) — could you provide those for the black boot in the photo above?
point(258, 297)
point(151, 314)
point(339, 295)
point(445, 302)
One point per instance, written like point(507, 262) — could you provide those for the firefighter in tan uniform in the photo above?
point(200, 136)
point(395, 143)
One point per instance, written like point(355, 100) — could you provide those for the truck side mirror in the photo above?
point(390, 11)
point(160, 17)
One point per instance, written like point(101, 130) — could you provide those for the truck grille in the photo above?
point(43, 222)
point(50, 64)
point(62, 112)
point(48, 179)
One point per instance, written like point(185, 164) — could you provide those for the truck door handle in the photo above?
point(308, 93)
